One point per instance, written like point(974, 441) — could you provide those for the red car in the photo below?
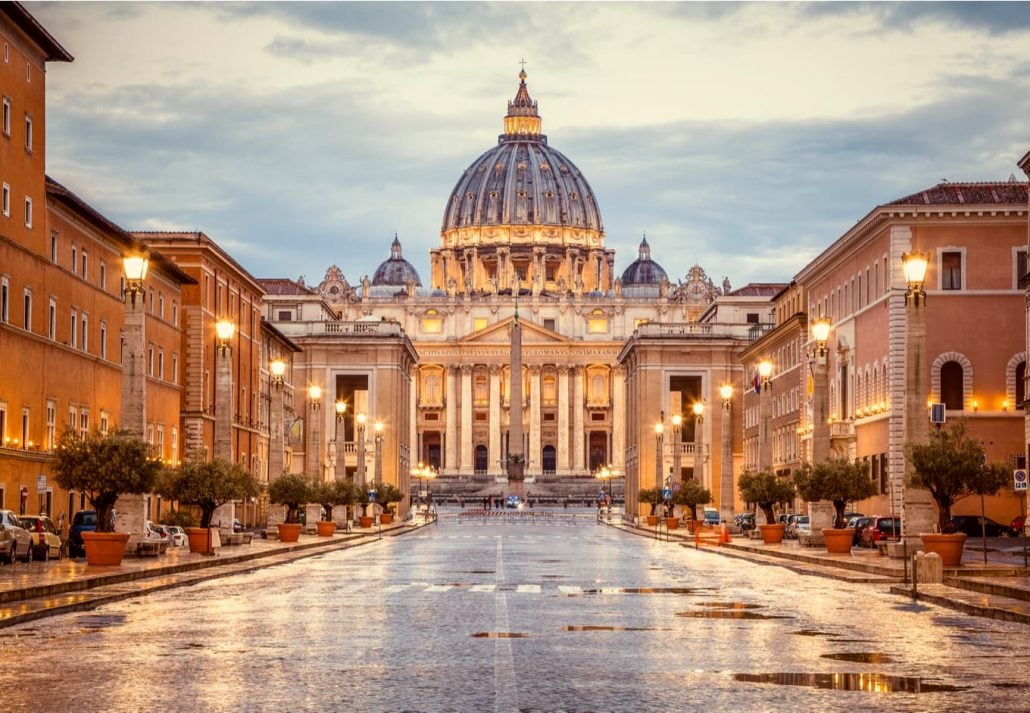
point(1017, 524)
point(881, 527)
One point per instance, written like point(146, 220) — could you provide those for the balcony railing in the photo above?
point(360, 328)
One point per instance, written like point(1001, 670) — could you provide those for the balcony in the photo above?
point(842, 431)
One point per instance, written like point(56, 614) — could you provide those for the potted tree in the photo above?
point(690, 495)
point(104, 467)
point(206, 485)
point(840, 482)
point(765, 489)
point(388, 496)
point(952, 466)
point(293, 491)
point(329, 495)
point(650, 496)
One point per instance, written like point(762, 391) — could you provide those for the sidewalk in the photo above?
point(41, 589)
point(999, 589)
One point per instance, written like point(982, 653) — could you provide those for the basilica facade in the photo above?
point(521, 231)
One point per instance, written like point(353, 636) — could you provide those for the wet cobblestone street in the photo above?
point(568, 616)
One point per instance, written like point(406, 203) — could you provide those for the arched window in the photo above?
point(1020, 385)
point(550, 461)
point(951, 385)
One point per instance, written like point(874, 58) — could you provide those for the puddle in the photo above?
point(553, 576)
point(612, 628)
point(728, 614)
point(659, 590)
point(499, 635)
point(860, 657)
point(872, 682)
point(729, 605)
point(811, 632)
point(480, 571)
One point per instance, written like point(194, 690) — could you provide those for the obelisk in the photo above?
point(516, 465)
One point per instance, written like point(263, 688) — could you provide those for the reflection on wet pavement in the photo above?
point(872, 682)
point(860, 658)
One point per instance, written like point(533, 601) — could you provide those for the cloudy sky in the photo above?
point(743, 137)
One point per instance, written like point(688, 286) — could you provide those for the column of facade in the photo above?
point(414, 447)
point(493, 455)
point(467, 465)
point(578, 435)
point(451, 436)
point(535, 455)
point(563, 419)
point(619, 417)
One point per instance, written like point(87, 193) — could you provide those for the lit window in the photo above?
point(479, 323)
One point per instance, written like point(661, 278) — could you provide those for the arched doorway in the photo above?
point(549, 460)
point(481, 459)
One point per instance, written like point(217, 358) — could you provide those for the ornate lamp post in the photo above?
point(677, 439)
point(659, 431)
point(130, 509)
point(379, 426)
point(765, 368)
point(225, 329)
point(820, 514)
point(276, 447)
point(916, 507)
point(699, 459)
point(338, 461)
point(314, 450)
point(726, 463)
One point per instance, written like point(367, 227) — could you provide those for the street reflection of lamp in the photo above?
point(360, 418)
point(726, 463)
point(699, 462)
point(314, 450)
point(608, 473)
point(820, 392)
point(765, 368)
point(338, 457)
point(224, 331)
point(916, 510)
point(677, 440)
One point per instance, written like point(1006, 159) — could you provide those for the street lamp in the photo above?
point(224, 330)
point(916, 509)
point(131, 510)
point(278, 369)
point(699, 463)
point(765, 368)
point(726, 464)
point(360, 418)
point(338, 457)
point(820, 392)
point(135, 268)
point(378, 426)
point(677, 440)
point(315, 405)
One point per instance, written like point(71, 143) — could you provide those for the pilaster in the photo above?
point(563, 419)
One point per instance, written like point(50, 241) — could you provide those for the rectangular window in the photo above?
point(26, 310)
point(103, 340)
point(84, 340)
point(105, 420)
point(1020, 265)
point(161, 306)
point(25, 427)
point(103, 275)
point(160, 363)
point(150, 359)
point(160, 444)
point(175, 446)
point(75, 258)
point(175, 313)
point(150, 438)
point(28, 212)
point(83, 422)
point(52, 320)
point(549, 324)
point(51, 425)
point(53, 246)
point(5, 301)
point(73, 417)
point(5, 201)
point(85, 264)
point(951, 270)
point(6, 116)
point(28, 133)
point(74, 331)
point(175, 368)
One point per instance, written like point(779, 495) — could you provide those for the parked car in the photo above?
point(970, 524)
point(712, 517)
point(15, 540)
point(1017, 524)
point(513, 503)
point(178, 536)
point(860, 524)
point(83, 521)
point(46, 540)
point(154, 532)
point(798, 525)
point(881, 527)
point(745, 521)
point(790, 521)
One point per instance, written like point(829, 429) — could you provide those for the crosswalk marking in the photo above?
point(528, 589)
point(438, 588)
point(483, 588)
point(570, 590)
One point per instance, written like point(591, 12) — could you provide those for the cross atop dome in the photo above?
point(522, 120)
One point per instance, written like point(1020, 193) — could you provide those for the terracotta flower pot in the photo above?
point(325, 529)
point(386, 518)
point(672, 523)
point(105, 548)
point(839, 541)
point(652, 520)
point(949, 547)
point(365, 520)
point(772, 534)
point(289, 531)
point(200, 540)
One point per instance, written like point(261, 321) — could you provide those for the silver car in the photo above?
point(15, 540)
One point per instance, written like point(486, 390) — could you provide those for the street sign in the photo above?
point(1019, 477)
point(40, 483)
point(666, 493)
point(371, 496)
point(937, 413)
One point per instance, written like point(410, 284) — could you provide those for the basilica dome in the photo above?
point(395, 270)
point(521, 186)
point(643, 270)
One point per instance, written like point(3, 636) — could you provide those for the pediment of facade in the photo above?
point(500, 333)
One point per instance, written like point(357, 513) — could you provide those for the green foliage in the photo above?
point(207, 484)
point(953, 466)
point(650, 496)
point(104, 467)
point(691, 494)
point(331, 494)
point(765, 489)
point(291, 490)
point(182, 518)
point(836, 480)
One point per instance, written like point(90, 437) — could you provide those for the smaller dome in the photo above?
point(395, 270)
point(643, 270)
